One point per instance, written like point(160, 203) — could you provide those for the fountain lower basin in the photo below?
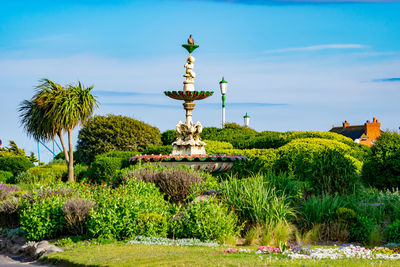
point(208, 163)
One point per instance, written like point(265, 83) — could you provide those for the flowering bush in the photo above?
point(151, 240)
point(268, 250)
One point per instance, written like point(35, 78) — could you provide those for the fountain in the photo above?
point(188, 149)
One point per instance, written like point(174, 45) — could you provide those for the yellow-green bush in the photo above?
point(217, 147)
point(325, 166)
point(316, 134)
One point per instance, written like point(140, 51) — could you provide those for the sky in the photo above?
point(291, 65)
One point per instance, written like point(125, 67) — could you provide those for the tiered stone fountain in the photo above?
point(188, 149)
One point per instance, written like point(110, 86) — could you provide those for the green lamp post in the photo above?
point(223, 85)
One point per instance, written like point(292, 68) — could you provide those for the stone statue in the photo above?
point(190, 75)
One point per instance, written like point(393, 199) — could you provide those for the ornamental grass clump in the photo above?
point(9, 217)
point(255, 201)
point(175, 183)
point(76, 214)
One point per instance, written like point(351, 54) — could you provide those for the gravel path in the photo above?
point(14, 261)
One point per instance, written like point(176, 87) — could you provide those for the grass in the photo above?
point(120, 254)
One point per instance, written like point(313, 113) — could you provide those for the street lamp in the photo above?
point(223, 86)
point(246, 120)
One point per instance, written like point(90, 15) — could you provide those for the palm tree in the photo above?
point(55, 109)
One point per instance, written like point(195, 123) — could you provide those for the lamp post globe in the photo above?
point(246, 120)
point(223, 85)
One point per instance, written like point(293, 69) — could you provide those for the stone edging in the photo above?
point(30, 250)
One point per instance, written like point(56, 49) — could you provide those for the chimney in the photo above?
point(346, 124)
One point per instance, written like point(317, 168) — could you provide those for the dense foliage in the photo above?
point(206, 220)
point(124, 212)
point(15, 164)
point(108, 133)
point(382, 169)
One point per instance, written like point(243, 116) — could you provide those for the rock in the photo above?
point(15, 249)
point(41, 247)
point(29, 249)
point(51, 249)
point(212, 192)
point(16, 239)
point(201, 198)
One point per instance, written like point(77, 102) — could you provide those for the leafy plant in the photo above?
point(117, 213)
point(6, 177)
point(361, 230)
point(392, 232)
point(205, 220)
point(43, 218)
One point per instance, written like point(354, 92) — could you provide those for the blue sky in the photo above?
point(291, 65)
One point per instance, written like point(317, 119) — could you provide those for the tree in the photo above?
point(382, 169)
point(55, 109)
point(114, 132)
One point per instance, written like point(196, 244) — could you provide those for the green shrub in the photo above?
point(346, 216)
point(392, 232)
point(168, 137)
point(324, 166)
point(157, 150)
point(6, 177)
point(24, 178)
point(112, 132)
point(15, 165)
point(43, 218)
point(215, 147)
point(151, 224)
point(320, 209)
point(103, 169)
point(256, 201)
point(360, 231)
point(117, 212)
point(49, 173)
point(382, 169)
point(290, 136)
point(205, 220)
point(81, 171)
point(126, 155)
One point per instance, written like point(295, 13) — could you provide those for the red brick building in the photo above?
point(365, 134)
